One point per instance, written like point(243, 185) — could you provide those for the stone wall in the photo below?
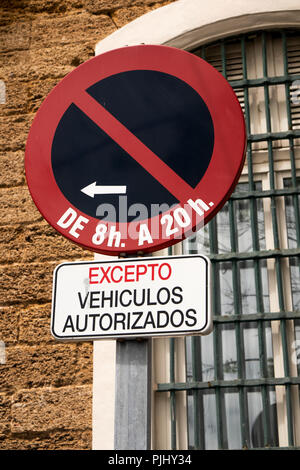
point(45, 386)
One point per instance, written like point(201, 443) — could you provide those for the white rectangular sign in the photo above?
point(131, 298)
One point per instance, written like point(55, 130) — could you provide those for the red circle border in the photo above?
point(217, 183)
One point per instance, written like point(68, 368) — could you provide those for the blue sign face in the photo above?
point(167, 115)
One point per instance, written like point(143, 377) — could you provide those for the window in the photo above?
point(241, 384)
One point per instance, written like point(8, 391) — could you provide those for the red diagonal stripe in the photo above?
point(133, 146)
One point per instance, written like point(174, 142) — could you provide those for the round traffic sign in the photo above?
point(135, 149)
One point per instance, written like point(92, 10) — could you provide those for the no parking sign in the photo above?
point(135, 149)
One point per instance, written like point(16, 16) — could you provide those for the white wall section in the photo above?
point(188, 23)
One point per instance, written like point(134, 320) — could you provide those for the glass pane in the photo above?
point(292, 214)
point(295, 282)
point(232, 410)
point(207, 354)
point(226, 289)
point(206, 417)
point(262, 419)
point(243, 225)
point(210, 420)
point(248, 288)
point(296, 346)
point(201, 243)
point(249, 219)
point(254, 286)
point(229, 352)
point(292, 204)
point(269, 349)
point(223, 230)
point(251, 347)
point(200, 366)
point(258, 350)
point(198, 243)
point(190, 420)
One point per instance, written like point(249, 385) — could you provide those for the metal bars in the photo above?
point(242, 394)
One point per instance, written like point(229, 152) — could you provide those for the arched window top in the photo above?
point(187, 23)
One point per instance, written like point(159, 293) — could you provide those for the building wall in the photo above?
point(189, 24)
point(45, 386)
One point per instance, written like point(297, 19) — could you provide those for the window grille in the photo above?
point(242, 380)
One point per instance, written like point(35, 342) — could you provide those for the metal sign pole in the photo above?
point(133, 395)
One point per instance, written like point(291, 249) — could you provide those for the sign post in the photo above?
point(130, 153)
point(133, 395)
point(132, 300)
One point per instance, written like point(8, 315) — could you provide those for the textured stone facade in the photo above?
point(45, 386)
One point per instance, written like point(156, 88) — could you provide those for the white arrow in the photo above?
point(93, 189)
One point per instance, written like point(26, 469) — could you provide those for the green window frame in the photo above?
point(261, 310)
